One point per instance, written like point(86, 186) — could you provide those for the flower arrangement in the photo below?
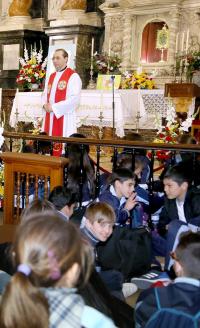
point(171, 131)
point(32, 69)
point(137, 81)
point(103, 63)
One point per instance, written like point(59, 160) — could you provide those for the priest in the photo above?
point(61, 99)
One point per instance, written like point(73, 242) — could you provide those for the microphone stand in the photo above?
point(113, 103)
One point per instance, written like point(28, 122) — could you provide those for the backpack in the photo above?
point(167, 316)
point(127, 250)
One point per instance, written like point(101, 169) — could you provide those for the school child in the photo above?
point(52, 260)
point(178, 304)
point(121, 196)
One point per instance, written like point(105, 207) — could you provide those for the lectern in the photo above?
point(182, 94)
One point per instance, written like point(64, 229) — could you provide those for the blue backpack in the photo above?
point(166, 317)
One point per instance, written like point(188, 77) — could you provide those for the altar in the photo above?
point(129, 104)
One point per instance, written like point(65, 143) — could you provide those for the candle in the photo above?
point(92, 48)
point(109, 47)
point(187, 40)
point(177, 41)
point(183, 40)
point(16, 96)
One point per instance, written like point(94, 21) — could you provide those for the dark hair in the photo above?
point(61, 196)
point(82, 136)
point(188, 253)
point(179, 173)
point(37, 206)
point(75, 153)
point(121, 175)
point(64, 52)
point(47, 245)
point(42, 146)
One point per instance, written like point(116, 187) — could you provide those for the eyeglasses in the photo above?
point(173, 256)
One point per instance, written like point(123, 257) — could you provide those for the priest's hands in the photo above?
point(48, 108)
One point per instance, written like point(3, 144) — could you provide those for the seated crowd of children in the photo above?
point(52, 275)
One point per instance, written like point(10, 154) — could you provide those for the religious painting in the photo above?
point(105, 82)
point(71, 50)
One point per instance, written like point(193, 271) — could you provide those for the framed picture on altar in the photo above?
point(71, 50)
point(104, 82)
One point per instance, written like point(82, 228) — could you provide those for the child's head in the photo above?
point(100, 219)
point(48, 252)
point(123, 181)
point(176, 181)
point(63, 199)
point(37, 206)
point(187, 255)
point(125, 162)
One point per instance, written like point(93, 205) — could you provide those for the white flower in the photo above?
point(26, 57)
point(44, 64)
point(22, 61)
point(186, 124)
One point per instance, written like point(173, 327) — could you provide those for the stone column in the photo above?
point(127, 37)
point(20, 8)
point(173, 28)
point(74, 4)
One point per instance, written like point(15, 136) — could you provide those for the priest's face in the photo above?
point(59, 60)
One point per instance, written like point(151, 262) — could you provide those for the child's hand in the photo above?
point(131, 202)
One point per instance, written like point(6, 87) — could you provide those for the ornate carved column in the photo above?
point(20, 8)
point(74, 4)
point(174, 27)
point(127, 37)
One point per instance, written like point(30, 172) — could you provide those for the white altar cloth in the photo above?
point(128, 104)
point(28, 107)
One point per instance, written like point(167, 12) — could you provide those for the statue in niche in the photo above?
point(20, 8)
point(74, 4)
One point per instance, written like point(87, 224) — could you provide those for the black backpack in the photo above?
point(166, 316)
point(127, 250)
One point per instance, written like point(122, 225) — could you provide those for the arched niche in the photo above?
point(149, 52)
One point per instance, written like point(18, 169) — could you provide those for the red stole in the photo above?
point(61, 89)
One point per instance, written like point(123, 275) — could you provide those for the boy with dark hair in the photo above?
point(121, 196)
point(64, 201)
point(181, 211)
point(179, 302)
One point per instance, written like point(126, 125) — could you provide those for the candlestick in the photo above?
point(16, 112)
point(177, 42)
point(92, 84)
point(187, 40)
point(101, 116)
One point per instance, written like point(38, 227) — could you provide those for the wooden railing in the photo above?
point(23, 170)
point(116, 147)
